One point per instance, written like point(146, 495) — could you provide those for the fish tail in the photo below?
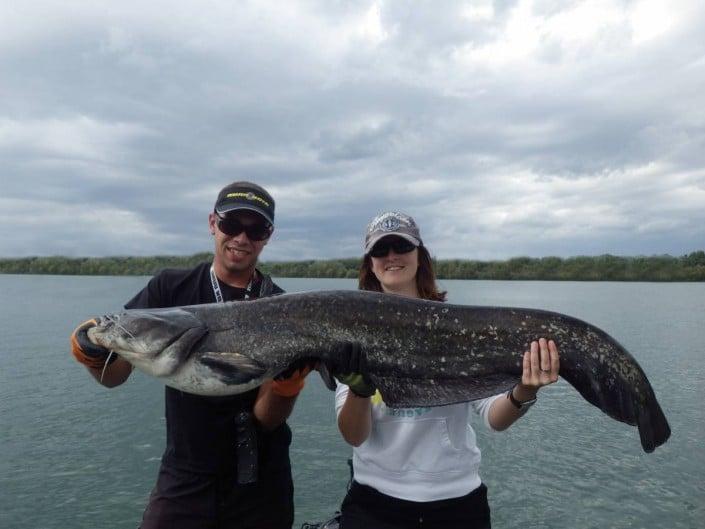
point(633, 404)
point(653, 426)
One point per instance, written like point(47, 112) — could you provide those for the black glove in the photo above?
point(351, 371)
point(86, 351)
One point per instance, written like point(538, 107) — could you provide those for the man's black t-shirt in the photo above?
point(200, 435)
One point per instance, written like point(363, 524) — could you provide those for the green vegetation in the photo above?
point(689, 267)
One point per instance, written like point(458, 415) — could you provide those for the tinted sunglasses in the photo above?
point(233, 227)
point(399, 245)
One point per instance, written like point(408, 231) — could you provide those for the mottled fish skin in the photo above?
point(419, 353)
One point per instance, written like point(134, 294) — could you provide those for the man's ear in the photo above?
point(211, 223)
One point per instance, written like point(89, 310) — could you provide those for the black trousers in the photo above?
point(366, 508)
point(183, 500)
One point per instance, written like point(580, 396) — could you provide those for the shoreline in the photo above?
point(662, 268)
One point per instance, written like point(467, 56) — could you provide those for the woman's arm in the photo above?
point(541, 366)
point(355, 419)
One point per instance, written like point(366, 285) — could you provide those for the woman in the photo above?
point(419, 467)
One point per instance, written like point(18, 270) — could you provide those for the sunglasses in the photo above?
point(233, 227)
point(399, 245)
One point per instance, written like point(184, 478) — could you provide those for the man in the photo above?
point(226, 462)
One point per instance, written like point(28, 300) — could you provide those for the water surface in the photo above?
point(75, 454)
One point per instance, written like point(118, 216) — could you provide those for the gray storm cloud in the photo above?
point(505, 128)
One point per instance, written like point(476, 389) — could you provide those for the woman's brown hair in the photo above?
point(425, 277)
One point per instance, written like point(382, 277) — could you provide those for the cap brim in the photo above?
point(236, 207)
point(374, 240)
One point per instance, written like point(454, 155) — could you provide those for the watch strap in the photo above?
point(517, 403)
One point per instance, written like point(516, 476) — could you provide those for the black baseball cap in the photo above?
point(245, 195)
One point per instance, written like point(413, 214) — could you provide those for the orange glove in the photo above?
point(85, 351)
point(292, 385)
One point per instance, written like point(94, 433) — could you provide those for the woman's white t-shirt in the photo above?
point(419, 454)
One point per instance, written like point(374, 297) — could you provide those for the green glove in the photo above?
point(351, 371)
point(358, 384)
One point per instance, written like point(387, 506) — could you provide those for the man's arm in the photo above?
point(113, 375)
point(110, 371)
point(93, 357)
point(272, 409)
point(276, 398)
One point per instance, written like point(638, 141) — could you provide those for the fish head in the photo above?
point(156, 341)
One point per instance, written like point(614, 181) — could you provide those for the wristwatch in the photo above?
point(519, 405)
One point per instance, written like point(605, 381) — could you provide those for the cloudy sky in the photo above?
point(506, 128)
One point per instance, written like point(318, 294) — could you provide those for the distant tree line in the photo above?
point(690, 267)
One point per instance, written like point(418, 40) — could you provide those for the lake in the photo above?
point(75, 454)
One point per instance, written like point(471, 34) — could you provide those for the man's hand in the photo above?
point(85, 351)
point(291, 382)
point(351, 371)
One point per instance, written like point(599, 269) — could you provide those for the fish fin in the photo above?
point(232, 368)
point(172, 357)
point(414, 392)
point(326, 376)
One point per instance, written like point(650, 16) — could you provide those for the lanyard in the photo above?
point(216, 287)
point(245, 434)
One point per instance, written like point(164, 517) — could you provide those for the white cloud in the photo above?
point(79, 137)
point(651, 19)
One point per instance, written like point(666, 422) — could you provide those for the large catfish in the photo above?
point(418, 353)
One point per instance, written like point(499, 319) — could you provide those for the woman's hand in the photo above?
point(541, 365)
